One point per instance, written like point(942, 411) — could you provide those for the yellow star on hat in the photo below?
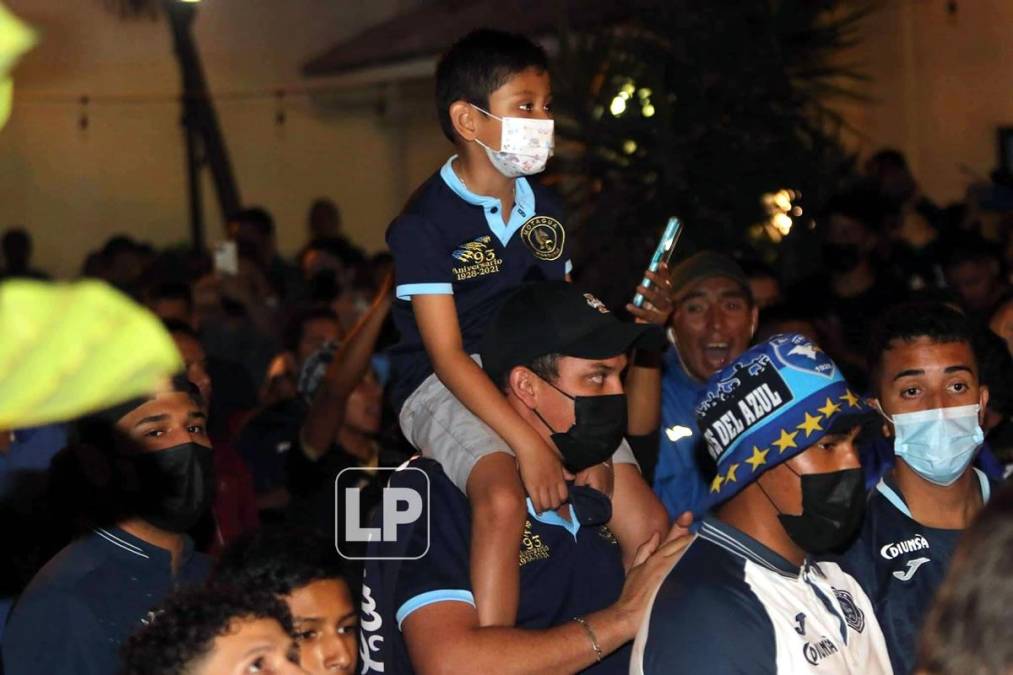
point(811, 424)
point(759, 458)
point(787, 440)
point(716, 483)
point(730, 478)
point(850, 398)
point(830, 408)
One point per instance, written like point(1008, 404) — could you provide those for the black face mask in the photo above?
point(832, 507)
point(598, 429)
point(841, 258)
point(175, 486)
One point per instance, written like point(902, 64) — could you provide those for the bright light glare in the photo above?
point(618, 106)
point(782, 223)
point(648, 110)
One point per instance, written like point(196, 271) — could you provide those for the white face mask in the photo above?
point(938, 444)
point(525, 145)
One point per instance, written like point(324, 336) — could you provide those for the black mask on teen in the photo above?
point(598, 429)
point(174, 487)
point(841, 258)
point(832, 507)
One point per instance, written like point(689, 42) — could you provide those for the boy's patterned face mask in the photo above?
point(525, 145)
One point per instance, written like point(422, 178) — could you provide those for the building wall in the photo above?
point(941, 86)
point(126, 172)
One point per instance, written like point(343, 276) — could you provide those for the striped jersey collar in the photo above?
point(135, 548)
point(887, 487)
point(739, 543)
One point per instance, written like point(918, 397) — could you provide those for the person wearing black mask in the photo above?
point(558, 355)
point(780, 423)
point(142, 473)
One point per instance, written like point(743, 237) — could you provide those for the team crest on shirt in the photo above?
point(544, 237)
point(853, 616)
point(532, 547)
point(475, 258)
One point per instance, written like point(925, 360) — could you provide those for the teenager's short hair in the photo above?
point(477, 65)
point(175, 326)
point(183, 630)
point(296, 324)
point(908, 322)
point(172, 290)
point(545, 366)
point(257, 217)
point(279, 561)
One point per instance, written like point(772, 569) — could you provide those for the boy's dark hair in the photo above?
point(181, 327)
point(172, 290)
point(968, 248)
point(477, 65)
point(256, 216)
point(908, 322)
point(861, 204)
point(296, 324)
point(16, 243)
point(279, 561)
point(757, 269)
point(887, 158)
point(184, 627)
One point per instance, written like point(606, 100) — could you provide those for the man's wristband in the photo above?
point(591, 635)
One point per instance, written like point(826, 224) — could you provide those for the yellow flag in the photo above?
point(70, 349)
point(15, 39)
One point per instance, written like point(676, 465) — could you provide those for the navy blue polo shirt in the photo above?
point(567, 570)
point(451, 241)
point(85, 602)
point(901, 563)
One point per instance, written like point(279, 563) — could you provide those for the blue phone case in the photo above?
point(661, 254)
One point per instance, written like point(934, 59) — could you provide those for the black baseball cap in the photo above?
point(555, 317)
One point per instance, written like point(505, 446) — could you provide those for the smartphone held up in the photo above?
point(662, 254)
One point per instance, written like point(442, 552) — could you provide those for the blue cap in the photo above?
point(774, 401)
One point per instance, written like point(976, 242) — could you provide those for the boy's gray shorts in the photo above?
point(442, 428)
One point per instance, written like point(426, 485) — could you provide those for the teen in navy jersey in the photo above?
point(925, 378)
point(780, 423)
point(157, 464)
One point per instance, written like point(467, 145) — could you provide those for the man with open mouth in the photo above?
point(713, 323)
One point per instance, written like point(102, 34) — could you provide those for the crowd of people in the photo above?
point(738, 475)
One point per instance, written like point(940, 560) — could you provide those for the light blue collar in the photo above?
point(898, 502)
point(524, 203)
point(552, 518)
